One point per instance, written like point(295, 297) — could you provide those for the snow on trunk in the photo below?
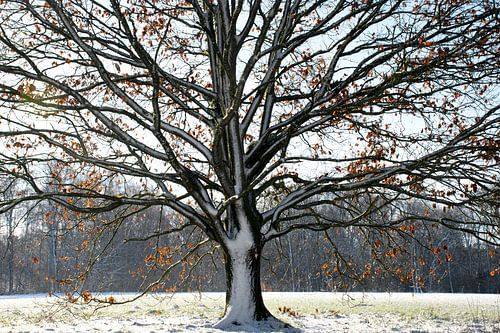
point(244, 304)
point(241, 288)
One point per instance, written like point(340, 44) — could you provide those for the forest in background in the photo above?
point(46, 248)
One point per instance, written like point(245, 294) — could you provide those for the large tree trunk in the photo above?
point(244, 303)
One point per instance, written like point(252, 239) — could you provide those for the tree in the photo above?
point(10, 226)
point(246, 117)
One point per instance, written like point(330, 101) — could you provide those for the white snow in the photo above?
point(241, 308)
point(317, 312)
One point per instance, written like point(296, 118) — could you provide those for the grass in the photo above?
point(409, 306)
point(439, 307)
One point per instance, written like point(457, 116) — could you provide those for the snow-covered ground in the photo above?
point(308, 312)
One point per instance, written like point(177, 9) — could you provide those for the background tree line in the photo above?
point(45, 248)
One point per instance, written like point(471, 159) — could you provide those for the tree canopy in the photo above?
point(248, 117)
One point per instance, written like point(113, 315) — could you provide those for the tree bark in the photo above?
point(52, 264)
point(244, 302)
point(10, 251)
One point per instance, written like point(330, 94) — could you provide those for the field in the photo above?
point(307, 312)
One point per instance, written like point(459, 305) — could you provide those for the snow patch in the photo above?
point(270, 325)
point(241, 308)
point(470, 313)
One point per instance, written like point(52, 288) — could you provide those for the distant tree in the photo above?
point(8, 251)
point(246, 117)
